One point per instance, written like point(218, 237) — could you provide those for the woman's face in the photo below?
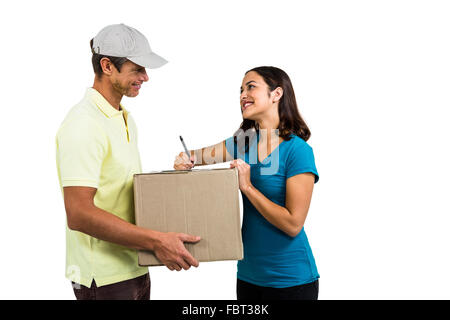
point(255, 96)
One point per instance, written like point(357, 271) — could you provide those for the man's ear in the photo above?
point(277, 94)
point(107, 66)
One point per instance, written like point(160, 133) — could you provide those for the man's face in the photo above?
point(129, 80)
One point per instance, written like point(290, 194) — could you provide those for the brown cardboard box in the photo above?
point(203, 202)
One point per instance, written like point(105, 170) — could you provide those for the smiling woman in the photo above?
point(277, 174)
point(270, 78)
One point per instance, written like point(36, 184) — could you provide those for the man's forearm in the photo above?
point(106, 226)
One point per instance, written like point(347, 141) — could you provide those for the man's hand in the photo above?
point(84, 216)
point(170, 250)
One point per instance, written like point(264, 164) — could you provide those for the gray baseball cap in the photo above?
point(120, 40)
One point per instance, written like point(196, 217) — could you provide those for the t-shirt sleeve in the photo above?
point(81, 146)
point(301, 160)
point(231, 147)
point(239, 148)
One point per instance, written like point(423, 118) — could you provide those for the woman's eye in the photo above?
point(248, 87)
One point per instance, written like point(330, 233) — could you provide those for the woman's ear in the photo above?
point(277, 94)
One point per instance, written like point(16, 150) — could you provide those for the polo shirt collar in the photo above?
point(105, 107)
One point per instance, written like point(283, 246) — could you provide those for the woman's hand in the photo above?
point(244, 174)
point(183, 162)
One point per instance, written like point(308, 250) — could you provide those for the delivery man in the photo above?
point(96, 157)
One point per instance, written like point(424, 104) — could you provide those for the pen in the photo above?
point(185, 148)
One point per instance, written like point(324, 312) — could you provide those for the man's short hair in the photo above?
point(116, 61)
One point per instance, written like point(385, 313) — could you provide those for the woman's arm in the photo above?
point(216, 153)
point(289, 219)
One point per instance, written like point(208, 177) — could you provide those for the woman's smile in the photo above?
point(246, 104)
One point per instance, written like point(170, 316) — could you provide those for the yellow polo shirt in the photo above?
point(96, 146)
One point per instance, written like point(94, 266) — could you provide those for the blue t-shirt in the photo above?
point(271, 257)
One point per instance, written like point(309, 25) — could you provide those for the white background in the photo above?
point(372, 81)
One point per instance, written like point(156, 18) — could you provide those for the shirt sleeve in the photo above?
point(240, 149)
point(81, 146)
point(301, 160)
point(231, 147)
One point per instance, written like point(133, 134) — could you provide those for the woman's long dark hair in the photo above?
point(290, 120)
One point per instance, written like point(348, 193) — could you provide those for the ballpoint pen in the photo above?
point(186, 149)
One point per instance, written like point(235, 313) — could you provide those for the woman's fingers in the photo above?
point(239, 163)
point(235, 163)
point(185, 157)
point(183, 162)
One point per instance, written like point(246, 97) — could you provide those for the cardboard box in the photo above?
point(203, 202)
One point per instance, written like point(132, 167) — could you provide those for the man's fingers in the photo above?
point(183, 264)
point(180, 258)
point(190, 259)
point(174, 266)
point(180, 264)
point(187, 256)
point(189, 238)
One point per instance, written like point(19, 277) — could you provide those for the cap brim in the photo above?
point(151, 60)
